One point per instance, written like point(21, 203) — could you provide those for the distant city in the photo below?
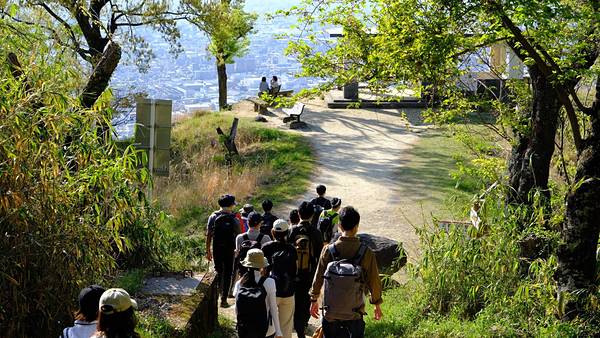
point(190, 80)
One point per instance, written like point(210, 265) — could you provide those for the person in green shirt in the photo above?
point(329, 220)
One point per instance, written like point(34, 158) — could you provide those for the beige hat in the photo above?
point(255, 258)
point(116, 300)
point(281, 225)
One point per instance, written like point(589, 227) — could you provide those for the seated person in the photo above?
point(275, 85)
point(263, 87)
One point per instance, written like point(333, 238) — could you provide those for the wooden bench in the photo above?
point(260, 105)
point(285, 93)
point(293, 113)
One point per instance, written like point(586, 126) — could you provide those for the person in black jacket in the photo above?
point(309, 243)
point(268, 218)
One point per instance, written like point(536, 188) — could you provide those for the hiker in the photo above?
point(263, 87)
point(347, 269)
point(268, 217)
point(251, 239)
point(117, 318)
point(294, 217)
point(320, 203)
point(244, 212)
point(329, 220)
point(282, 266)
point(221, 231)
point(308, 243)
point(86, 315)
point(255, 300)
point(275, 85)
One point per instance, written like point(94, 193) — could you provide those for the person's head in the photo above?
point(89, 298)
point(116, 316)
point(254, 219)
point(306, 210)
point(255, 261)
point(227, 202)
point(336, 203)
point(264, 79)
point(247, 208)
point(275, 78)
point(294, 217)
point(321, 189)
point(267, 205)
point(349, 219)
point(280, 230)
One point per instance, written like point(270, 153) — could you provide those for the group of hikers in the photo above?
point(271, 88)
point(284, 271)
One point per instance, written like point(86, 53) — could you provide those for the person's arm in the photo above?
point(209, 236)
point(317, 243)
point(374, 284)
point(317, 283)
point(272, 298)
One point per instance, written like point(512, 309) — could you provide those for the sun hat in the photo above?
point(255, 258)
point(116, 300)
point(281, 225)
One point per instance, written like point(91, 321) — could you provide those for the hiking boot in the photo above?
point(224, 303)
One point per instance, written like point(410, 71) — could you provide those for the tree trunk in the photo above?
point(103, 70)
point(577, 253)
point(529, 165)
point(222, 76)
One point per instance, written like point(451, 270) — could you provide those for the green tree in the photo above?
point(417, 40)
point(96, 30)
point(227, 26)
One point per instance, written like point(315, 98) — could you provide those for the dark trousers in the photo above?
point(223, 258)
point(301, 308)
point(343, 328)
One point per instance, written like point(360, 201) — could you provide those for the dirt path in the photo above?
point(360, 154)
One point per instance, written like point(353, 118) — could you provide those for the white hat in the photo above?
point(116, 300)
point(255, 258)
point(281, 225)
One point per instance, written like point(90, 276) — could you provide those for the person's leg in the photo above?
point(333, 329)
point(227, 274)
point(356, 328)
point(219, 267)
point(286, 315)
point(301, 309)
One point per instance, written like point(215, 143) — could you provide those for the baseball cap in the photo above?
point(89, 298)
point(336, 202)
point(116, 300)
point(226, 200)
point(281, 225)
point(254, 218)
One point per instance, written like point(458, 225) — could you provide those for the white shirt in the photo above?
point(275, 84)
point(81, 329)
point(252, 235)
point(271, 301)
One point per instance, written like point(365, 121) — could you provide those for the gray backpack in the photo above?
point(344, 285)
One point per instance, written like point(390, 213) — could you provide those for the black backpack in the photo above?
point(282, 261)
point(267, 226)
point(315, 219)
point(251, 309)
point(326, 226)
point(224, 230)
point(245, 246)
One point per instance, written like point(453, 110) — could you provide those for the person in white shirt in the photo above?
point(85, 317)
point(255, 261)
point(263, 87)
point(275, 84)
point(255, 220)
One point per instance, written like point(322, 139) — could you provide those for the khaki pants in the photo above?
point(286, 315)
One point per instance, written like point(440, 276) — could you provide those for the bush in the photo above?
point(71, 203)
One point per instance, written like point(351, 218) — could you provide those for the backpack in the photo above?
point(326, 226)
point(343, 293)
point(224, 232)
point(267, 226)
point(318, 211)
point(282, 260)
point(245, 246)
point(303, 247)
point(251, 309)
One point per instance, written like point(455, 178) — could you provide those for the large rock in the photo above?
point(389, 253)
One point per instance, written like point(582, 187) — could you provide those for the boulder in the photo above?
point(260, 118)
point(298, 125)
point(389, 253)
